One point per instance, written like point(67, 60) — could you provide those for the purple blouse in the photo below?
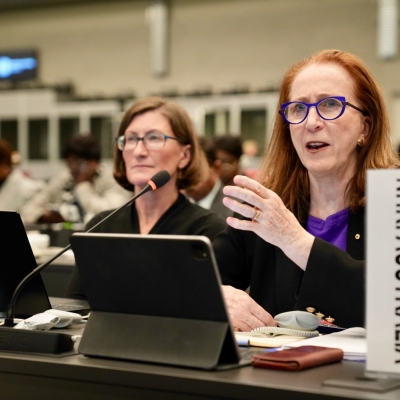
point(332, 230)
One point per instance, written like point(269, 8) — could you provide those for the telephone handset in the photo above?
point(293, 323)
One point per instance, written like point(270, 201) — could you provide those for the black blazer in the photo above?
point(333, 282)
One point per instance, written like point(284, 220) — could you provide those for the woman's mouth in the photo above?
point(316, 145)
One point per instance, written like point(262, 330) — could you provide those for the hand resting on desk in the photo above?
point(244, 312)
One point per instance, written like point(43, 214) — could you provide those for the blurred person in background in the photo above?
point(208, 193)
point(228, 150)
point(16, 186)
point(250, 161)
point(78, 193)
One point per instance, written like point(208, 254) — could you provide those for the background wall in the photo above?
point(102, 47)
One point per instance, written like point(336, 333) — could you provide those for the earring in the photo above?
point(360, 142)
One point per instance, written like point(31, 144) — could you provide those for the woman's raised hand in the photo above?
point(269, 218)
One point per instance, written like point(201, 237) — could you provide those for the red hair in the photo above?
point(281, 169)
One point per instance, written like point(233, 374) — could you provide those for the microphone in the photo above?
point(157, 181)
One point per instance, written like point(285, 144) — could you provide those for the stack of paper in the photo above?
point(261, 340)
point(352, 341)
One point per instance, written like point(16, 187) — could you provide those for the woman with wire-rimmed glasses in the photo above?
point(299, 241)
point(156, 134)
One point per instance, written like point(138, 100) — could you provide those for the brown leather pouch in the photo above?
point(297, 358)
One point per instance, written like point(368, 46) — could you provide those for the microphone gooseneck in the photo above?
point(157, 180)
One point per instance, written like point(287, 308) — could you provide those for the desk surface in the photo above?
point(78, 377)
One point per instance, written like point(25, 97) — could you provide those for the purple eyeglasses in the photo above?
point(295, 112)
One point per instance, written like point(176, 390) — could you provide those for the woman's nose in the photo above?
point(140, 150)
point(313, 120)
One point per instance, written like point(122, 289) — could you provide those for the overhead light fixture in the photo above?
point(387, 29)
point(157, 16)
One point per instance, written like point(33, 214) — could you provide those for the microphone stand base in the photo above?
point(40, 342)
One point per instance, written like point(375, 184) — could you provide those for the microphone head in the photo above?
point(159, 179)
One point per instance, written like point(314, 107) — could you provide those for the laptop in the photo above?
point(154, 298)
point(17, 261)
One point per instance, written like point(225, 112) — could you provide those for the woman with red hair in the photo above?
point(299, 240)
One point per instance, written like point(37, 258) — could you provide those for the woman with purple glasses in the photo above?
point(297, 240)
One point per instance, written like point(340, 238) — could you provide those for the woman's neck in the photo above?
point(152, 205)
point(328, 197)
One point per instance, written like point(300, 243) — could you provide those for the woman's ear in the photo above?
point(186, 155)
point(366, 129)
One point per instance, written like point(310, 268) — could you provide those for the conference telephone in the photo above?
point(293, 323)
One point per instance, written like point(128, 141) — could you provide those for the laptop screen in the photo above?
point(17, 261)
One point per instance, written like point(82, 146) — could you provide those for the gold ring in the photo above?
point(236, 329)
point(256, 215)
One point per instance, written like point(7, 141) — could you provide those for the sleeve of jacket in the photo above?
point(231, 251)
point(210, 226)
point(335, 283)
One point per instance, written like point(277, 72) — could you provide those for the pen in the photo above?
point(242, 341)
point(272, 350)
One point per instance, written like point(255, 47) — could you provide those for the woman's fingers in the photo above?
point(268, 217)
point(244, 312)
point(243, 209)
point(251, 192)
point(246, 195)
point(252, 186)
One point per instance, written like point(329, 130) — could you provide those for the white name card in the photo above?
point(383, 271)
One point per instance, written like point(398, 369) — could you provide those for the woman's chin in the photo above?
point(139, 183)
point(139, 178)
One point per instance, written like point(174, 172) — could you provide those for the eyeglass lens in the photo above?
point(152, 140)
point(329, 108)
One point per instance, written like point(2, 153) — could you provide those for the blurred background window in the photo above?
point(9, 132)
point(67, 127)
point(37, 139)
point(101, 129)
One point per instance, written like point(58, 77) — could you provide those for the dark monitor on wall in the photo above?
point(18, 65)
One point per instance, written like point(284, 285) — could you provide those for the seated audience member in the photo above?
point(208, 193)
point(299, 242)
point(16, 186)
point(229, 151)
point(77, 194)
point(154, 135)
point(250, 161)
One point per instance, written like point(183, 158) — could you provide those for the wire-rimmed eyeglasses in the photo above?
point(152, 141)
point(295, 112)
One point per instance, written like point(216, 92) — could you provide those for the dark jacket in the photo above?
point(333, 282)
